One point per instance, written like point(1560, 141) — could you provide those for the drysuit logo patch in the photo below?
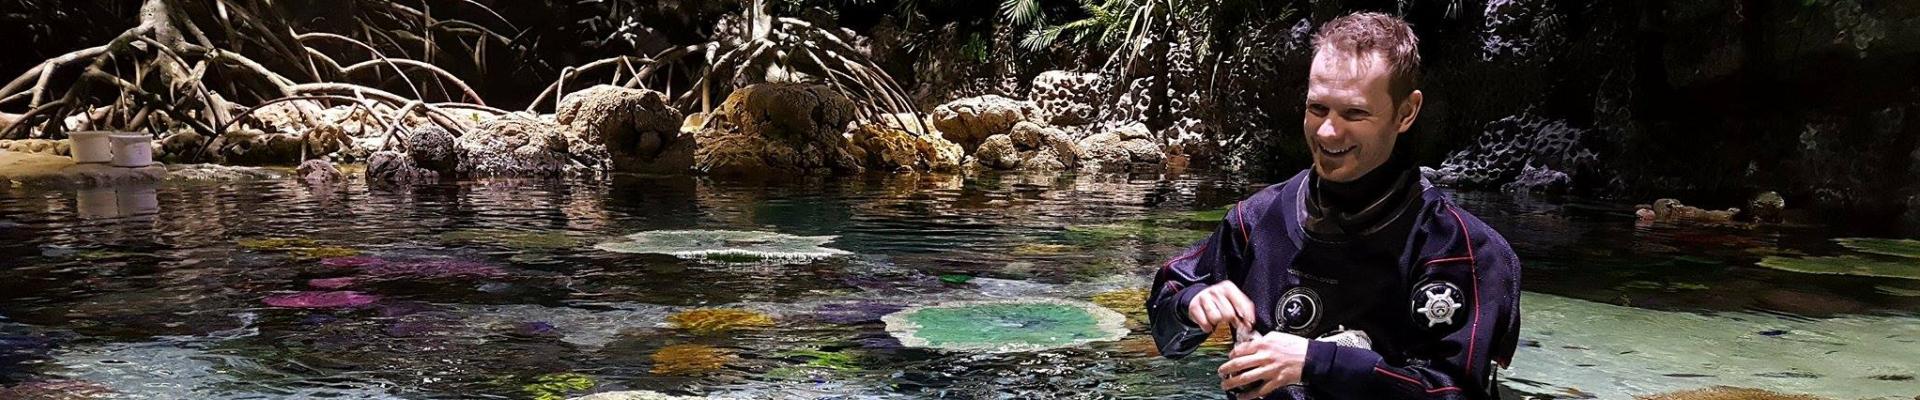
point(1299, 311)
point(1435, 304)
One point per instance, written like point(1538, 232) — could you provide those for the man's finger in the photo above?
point(1272, 385)
point(1242, 306)
point(1248, 377)
point(1208, 316)
point(1242, 363)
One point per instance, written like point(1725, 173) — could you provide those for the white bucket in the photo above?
point(132, 150)
point(91, 146)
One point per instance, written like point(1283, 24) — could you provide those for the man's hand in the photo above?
point(1271, 361)
point(1221, 304)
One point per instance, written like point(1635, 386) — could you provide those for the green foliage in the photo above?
point(977, 48)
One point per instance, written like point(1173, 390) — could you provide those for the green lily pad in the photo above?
point(1847, 265)
point(997, 326)
point(955, 279)
point(727, 246)
point(1663, 286)
point(1907, 248)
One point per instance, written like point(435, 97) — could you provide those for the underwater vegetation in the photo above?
point(689, 360)
point(636, 395)
point(997, 326)
point(1144, 231)
point(556, 386)
point(1129, 302)
point(1884, 258)
point(334, 299)
point(708, 321)
point(727, 246)
point(512, 239)
point(300, 248)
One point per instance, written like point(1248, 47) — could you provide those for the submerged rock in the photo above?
point(776, 129)
point(970, 121)
point(1671, 210)
point(634, 129)
point(997, 326)
point(319, 172)
point(1766, 207)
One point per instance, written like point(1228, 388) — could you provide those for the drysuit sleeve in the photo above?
point(1183, 277)
point(1467, 312)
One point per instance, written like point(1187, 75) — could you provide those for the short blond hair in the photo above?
point(1375, 33)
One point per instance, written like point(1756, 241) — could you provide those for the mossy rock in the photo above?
point(1005, 325)
point(556, 386)
point(1847, 265)
point(324, 252)
point(689, 360)
point(1906, 248)
point(817, 365)
point(1727, 393)
point(708, 321)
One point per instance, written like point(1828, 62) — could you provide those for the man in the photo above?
point(1411, 296)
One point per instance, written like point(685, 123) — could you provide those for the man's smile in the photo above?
point(1331, 151)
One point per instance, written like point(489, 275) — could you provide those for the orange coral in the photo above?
point(707, 321)
point(689, 360)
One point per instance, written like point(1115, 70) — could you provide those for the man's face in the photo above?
point(1351, 120)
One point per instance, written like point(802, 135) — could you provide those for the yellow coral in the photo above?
point(689, 360)
point(706, 321)
point(1129, 302)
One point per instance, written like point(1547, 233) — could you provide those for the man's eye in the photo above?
point(1355, 115)
point(1317, 110)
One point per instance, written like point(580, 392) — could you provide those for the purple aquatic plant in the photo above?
point(435, 269)
point(854, 312)
point(332, 283)
point(353, 262)
point(337, 299)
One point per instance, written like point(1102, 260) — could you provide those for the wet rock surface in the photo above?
point(970, 121)
point(777, 128)
point(635, 129)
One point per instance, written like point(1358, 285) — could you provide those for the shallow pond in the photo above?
point(553, 289)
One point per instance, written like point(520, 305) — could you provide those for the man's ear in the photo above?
point(1410, 109)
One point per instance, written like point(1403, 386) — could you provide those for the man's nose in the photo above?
point(1326, 130)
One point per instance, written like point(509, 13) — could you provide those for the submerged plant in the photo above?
point(1034, 249)
point(689, 360)
point(1144, 231)
point(707, 321)
point(324, 252)
point(1005, 325)
point(1907, 248)
point(556, 386)
point(727, 246)
point(277, 244)
point(1846, 265)
point(521, 240)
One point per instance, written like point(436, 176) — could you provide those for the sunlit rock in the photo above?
point(689, 360)
point(972, 120)
point(635, 129)
point(336, 299)
point(514, 146)
point(894, 146)
point(1066, 98)
point(1005, 325)
point(771, 129)
point(1121, 149)
point(727, 246)
point(708, 321)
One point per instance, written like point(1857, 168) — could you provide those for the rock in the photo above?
point(885, 146)
point(1539, 180)
point(513, 146)
point(1766, 207)
point(280, 133)
point(971, 120)
point(1066, 98)
point(1512, 145)
point(777, 128)
point(434, 149)
point(41, 146)
point(396, 167)
point(317, 171)
point(1670, 210)
point(636, 128)
point(1029, 147)
point(1121, 149)
point(25, 168)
